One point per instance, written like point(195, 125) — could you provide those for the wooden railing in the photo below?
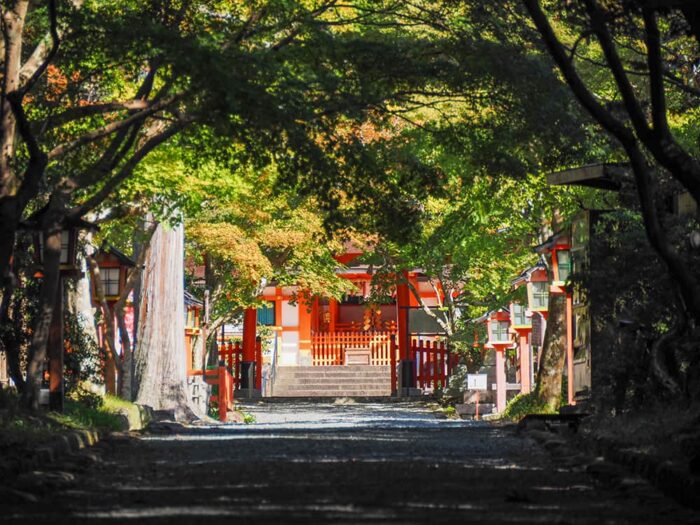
point(433, 363)
point(328, 348)
point(222, 379)
point(232, 355)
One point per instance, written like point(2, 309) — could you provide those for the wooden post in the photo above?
point(392, 362)
point(525, 357)
point(250, 321)
point(258, 363)
point(500, 379)
point(402, 304)
point(237, 369)
point(305, 306)
point(223, 394)
point(333, 314)
point(204, 334)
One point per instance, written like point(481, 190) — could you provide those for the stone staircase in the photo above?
point(332, 381)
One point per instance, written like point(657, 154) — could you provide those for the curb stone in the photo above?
point(672, 480)
point(59, 446)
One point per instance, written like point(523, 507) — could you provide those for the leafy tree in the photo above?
point(647, 42)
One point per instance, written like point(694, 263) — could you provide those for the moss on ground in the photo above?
point(523, 405)
point(22, 431)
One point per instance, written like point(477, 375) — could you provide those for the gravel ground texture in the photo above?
point(334, 463)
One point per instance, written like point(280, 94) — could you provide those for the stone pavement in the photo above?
point(334, 463)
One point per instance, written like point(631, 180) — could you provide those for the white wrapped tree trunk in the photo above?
point(160, 375)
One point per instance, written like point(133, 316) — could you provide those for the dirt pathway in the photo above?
point(351, 463)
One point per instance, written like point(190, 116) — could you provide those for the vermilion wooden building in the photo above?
point(316, 332)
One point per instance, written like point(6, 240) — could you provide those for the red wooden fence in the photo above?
point(232, 354)
point(223, 380)
point(433, 363)
point(328, 348)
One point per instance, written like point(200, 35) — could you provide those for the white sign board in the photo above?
point(477, 382)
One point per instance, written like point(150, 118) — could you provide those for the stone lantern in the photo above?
point(499, 339)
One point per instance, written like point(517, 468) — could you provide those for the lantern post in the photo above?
point(498, 324)
point(113, 266)
point(55, 346)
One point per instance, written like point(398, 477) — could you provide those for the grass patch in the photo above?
point(248, 418)
point(76, 415)
point(523, 405)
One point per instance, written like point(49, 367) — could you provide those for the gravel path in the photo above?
point(352, 463)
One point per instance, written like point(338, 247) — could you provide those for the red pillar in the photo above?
point(403, 301)
point(570, 348)
point(250, 321)
point(333, 311)
point(525, 358)
point(305, 308)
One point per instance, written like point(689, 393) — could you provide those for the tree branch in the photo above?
point(55, 43)
point(656, 84)
point(109, 128)
point(126, 170)
point(80, 112)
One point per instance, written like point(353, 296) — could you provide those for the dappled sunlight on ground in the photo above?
point(335, 463)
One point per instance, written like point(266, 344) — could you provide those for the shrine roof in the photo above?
point(560, 237)
point(192, 301)
point(121, 256)
point(526, 274)
point(603, 175)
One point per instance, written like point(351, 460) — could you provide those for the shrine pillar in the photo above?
point(248, 372)
point(333, 314)
point(406, 376)
point(305, 321)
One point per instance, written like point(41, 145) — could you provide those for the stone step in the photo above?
point(341, 388)
point(326, 393)
point(333, 370)
point(335, 377)
point(332, 381)
point(331, 384)
point(336, 367)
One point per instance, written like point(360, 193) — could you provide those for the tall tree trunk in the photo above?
point(160, 379)
point(42, 324)
point(79, 303)
point(551, 369)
